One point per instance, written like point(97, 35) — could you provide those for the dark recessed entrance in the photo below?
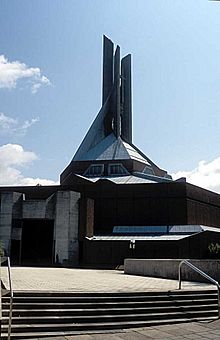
point(37, 242)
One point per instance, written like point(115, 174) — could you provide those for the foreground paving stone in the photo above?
point(154, 333)
point(89, 280)
point(149, 333)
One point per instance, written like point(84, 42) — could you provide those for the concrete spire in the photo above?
point(126, 99)
point(117, 96)
point(107, 75)
point(115, 116)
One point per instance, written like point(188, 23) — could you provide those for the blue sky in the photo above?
point(50, 83)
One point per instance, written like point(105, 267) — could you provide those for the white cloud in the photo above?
point(22, 129)
point(13, 157)
point(10, 125)
point(206, 175)
point(6, 122)
point(12, 72)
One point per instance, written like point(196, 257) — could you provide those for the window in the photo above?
point(117, 169)
point(148, 170)
point(95, 170)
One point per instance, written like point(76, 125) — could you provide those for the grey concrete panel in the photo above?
point(17, 206)
point(4, 230)
point(50, 207)
point(168, 268)
point(5, 218)
point(66, 227)
point(8, 201)
point(34, 209)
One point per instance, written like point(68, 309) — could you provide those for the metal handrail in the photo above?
point(0, 299)
point(199, 271)
point(11, 297)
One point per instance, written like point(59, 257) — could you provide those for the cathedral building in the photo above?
point(113, 202)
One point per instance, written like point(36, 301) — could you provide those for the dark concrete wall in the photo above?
point(113, 253)
point(150, 204)
point(203, 206)
point(105, 253)
point(196, 246)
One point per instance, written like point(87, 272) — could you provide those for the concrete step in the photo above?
point(46, 313)
point(110, 294)
point(117, 298)
point(21, 324)
point(100, 311)
point(64, 305)
point(114, 299)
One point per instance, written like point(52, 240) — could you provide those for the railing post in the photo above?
point(218, 301)
point(0, 300)
point(180, 274)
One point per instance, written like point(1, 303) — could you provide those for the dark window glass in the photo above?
point(117, 169)
point(95, 170)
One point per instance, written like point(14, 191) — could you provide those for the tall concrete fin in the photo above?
point(117, 96)
point(108, 48)
point(126, 99)
point(109, 117)
point(95, 135)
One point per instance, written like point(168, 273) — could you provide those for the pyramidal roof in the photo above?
point(112, 148)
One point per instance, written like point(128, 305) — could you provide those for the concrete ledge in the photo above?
point(168, 268)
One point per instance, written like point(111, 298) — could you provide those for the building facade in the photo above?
point(113, 201)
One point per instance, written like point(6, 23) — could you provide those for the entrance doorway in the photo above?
point(37, 242)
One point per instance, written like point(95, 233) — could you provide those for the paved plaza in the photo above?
point(87, 280)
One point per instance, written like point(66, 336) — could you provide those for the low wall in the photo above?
point(169, 268)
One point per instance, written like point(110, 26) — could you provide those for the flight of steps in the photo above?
point(41, 314)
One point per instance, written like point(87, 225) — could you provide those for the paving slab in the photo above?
point(153, 333)
point(89, 280)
